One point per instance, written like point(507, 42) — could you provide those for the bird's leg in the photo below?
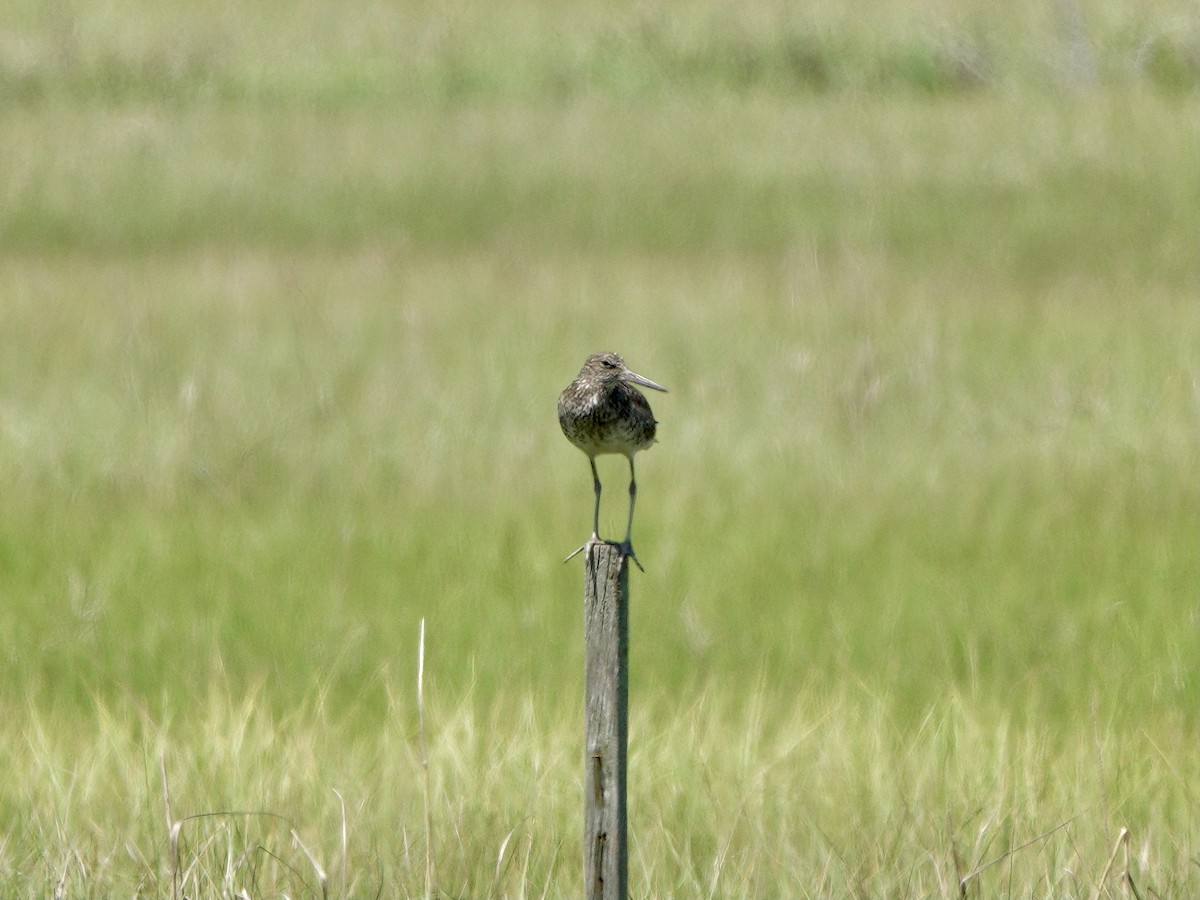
point(595, 538)
point(596, 511)
point(627, 544)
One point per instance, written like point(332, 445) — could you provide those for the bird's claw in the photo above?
point(594, 539)
point(626, 548)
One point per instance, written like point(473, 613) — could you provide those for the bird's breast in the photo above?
point(619, 421)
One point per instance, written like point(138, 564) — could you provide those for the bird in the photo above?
point(602, 412)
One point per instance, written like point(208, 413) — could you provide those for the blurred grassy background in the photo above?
point(286, 303)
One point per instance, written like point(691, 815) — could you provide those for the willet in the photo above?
point(602, 412)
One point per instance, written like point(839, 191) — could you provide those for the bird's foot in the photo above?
point(594, 539)
point(625, 548)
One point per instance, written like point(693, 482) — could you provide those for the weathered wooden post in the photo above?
point(606, 721)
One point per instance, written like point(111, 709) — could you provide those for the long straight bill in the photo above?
point(644, 382)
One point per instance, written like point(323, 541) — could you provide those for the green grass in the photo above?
point(285, 303)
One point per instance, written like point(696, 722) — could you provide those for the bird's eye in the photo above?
point(609, 364)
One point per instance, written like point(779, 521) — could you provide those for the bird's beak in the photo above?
point(644, 382)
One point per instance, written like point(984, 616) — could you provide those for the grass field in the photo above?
point(286, 299)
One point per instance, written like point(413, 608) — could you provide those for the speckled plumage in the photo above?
point(602, 412)
point(599, 419)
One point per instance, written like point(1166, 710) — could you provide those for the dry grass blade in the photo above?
point(956, 858)
point(162, 765)
point(1122, 841)
point(172, 829)
point(317, 867)
point(975, 873)
point(60, 888)
point(424, 763)
point(501, 865)
point(345, 844)
point(173, 856)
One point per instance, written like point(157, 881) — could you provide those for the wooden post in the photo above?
point(606, 722)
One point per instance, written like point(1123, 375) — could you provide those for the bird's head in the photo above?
point(608, 369)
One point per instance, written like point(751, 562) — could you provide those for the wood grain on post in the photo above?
point(606, 722)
